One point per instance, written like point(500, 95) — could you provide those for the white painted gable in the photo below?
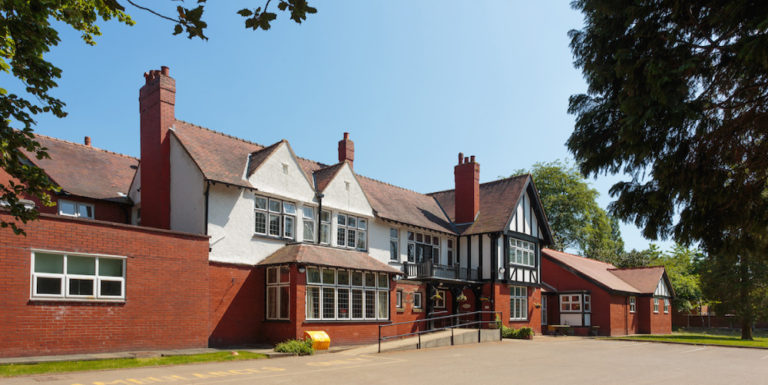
point(524, 218)
point(345, 194)
point(281, 175)
point(661, 289)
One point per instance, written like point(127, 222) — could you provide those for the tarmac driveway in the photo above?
point(545, 360)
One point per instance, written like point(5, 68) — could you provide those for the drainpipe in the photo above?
point(207, 189)
point(320, 218)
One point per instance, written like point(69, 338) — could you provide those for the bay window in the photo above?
point(66, 276)
point(522, 252)
point(570, 303)
point(339, 294)
point(278, 292)
point(518, 307)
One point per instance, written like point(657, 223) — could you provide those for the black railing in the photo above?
point(448, 322)
point(430, 270)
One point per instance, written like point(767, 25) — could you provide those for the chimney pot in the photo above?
point(87, 141)
point(346, 135)
point(466, 159)
point(461, 156)
point(166, 71)
point(472, 159)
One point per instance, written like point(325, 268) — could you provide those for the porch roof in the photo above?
point(327, 256)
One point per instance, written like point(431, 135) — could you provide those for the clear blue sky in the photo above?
point(413, 82)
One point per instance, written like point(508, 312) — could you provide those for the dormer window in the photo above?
point(75, 209)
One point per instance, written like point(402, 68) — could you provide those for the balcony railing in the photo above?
point(427, 269)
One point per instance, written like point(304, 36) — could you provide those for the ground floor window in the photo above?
point(440, 299)
point(82, 277)
point(338, 294)
point(655, 305)
point(278, 292)
point(632, 304)
point(518, 303)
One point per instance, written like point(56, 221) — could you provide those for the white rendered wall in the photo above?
point(378, 240)
point(290, 183)
point(187, 192)
point(231, 226)
point(344, 194)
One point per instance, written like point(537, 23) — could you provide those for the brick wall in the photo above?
point(166, 295)
point(236, 303)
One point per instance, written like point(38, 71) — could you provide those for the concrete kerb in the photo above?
point(679, 343)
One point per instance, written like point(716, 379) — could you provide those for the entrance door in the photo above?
point(543, 309)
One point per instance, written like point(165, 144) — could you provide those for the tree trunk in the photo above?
point(746, 309)
point(746, 329)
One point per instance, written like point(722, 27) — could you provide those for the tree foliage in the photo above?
point(577, 221)
point(30, 31)
point(678, 99)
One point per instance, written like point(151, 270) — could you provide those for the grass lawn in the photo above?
point(121, 363)
point(705, 336)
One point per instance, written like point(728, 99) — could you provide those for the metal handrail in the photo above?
point(496, 320)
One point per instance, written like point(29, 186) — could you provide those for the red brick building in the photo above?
point(587, 293)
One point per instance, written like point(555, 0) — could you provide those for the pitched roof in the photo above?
point(644, 279)
point(87, 171)
point(222, 157)
point(498, 201)
point(405, 206)
point(599, 272)
point(326, 256)
point(257, 158)
point(324, 176)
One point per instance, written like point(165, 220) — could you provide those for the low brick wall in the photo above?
point(166, 302)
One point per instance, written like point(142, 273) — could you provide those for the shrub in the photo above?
point(522, 333)
point(297, 347)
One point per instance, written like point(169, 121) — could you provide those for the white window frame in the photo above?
point(440, 303)
point(518, 295)
point(418, 241)
point(379, 284)
point(417, 300)
point(666, 305)
point(521, 253)
point(278, 284)
point(283, 214)
point(394, 244)
point(308, 220)
point(66, 277)
point(656, 305)
point(586, 304)
point(567, 299)
point(399, 298)
point(360, 227)
point(77, 209)
point(632, 304)
point(325, 227)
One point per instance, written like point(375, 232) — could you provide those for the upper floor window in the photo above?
point(423, 247)
point(522, 252)
point(351, 232)
point(275, 218)
point(450, 252)
point(309, 223)
point(75, 209)
point(394, 244)
point(77, 277)
point(325, 227)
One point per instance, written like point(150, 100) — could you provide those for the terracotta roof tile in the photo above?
point(222, 157)
point(599, 272)
point(324, 176)
point(327, 256)
point(498, 200)
point(87, 171)
point(405, 206)
point(644, 279)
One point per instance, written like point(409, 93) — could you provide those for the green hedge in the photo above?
point(297, 347)
point(522, 333)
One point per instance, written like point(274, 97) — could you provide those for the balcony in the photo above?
point(428, 270)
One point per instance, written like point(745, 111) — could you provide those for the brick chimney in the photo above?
point(156, 104)
point(87, 141)
point(467, 179)
point(347, 150)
